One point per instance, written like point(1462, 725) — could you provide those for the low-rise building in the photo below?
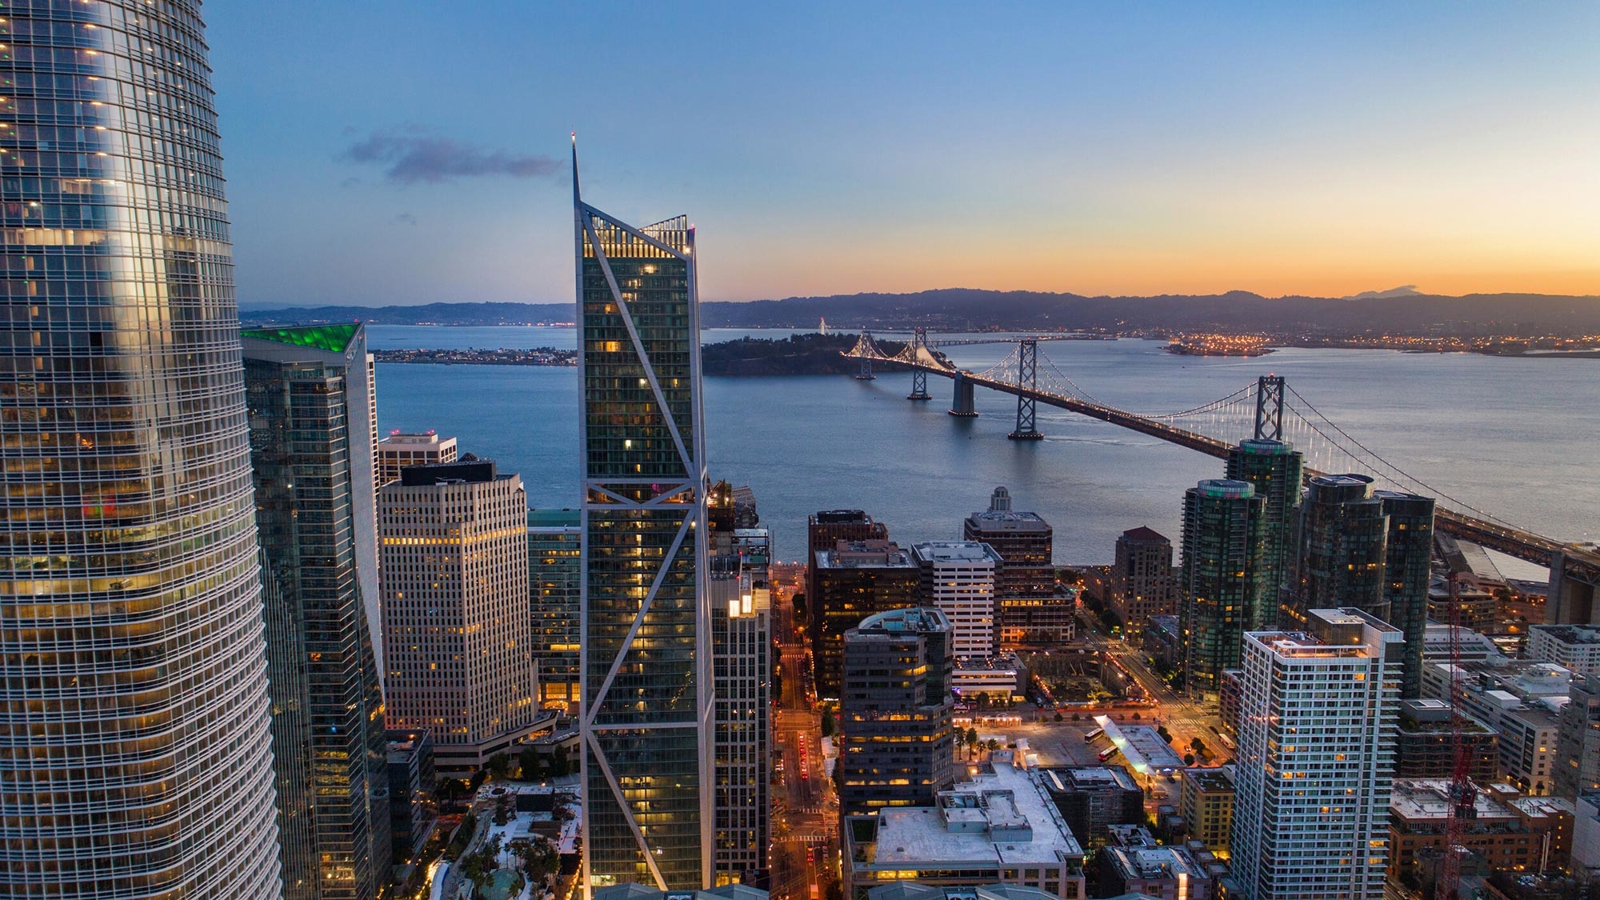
point(1167, 873)
point(1520, 701)
point(1093, 798)
point(1572, 647)
point(1003, 675)
point(1162, 638)
point(1425, 745)
point(1205, 800)
point(412, 810)
point(998, 827)
point(1471, 646)
point(1507, 832)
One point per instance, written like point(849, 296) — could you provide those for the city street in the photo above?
point(805, 810)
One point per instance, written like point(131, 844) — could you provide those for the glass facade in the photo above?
point(136, 760)
point(1343, 547)
point(1407, 566)
point(1277, 470)
point(646, 622)
point(1221, 587)
point(555, 583)
point(328, 727)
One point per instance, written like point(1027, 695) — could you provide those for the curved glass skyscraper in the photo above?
point(135, 760)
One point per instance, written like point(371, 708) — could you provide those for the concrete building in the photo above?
point(1093, 798)
point(1205, 800)
point(309, 400)
point(1577, 757)
point(412, 810)
point(1471, 646)
point(1142, 583)
point(1575, 648)
point(1520, 701)
point(1222, 587)
point(854, 580)
point(826, 528)
point(1507, 832)
point(958, 579)
point(1586, 835)
point(1230, 694)
point(1162, 638)
point(1425, 743)
point(1310, 815)
point(742, 679)
point(401, 451)
point(1166, 873)
point(455, 609)
point(1030, 611)
point(1003, 675)
point(898, 742)
point(997, 827)
point(555, 588)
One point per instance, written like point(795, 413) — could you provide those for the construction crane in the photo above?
point(1463, 794)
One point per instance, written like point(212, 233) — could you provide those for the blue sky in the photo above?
point(402, 152)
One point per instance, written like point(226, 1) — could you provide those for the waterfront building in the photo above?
point(1205, 800)
point(1277, 471)
point(1577, 760)
point(895, 709)
point(1091, 799)
point(827, 528)
point(413, 811)
point(1426, 742)
point(958, 578)
point(1142, 584)
point(1408, 557)
point(1575, 648)
point(138, 755)
point(1221, 588)
point(1344, 535)
point(1508, 832)
point(1029, 609)
point(311, 460)
point(853, 580)
point(402, 451)
point(646, 715)
point(1310, 815)
point(455, 609)
point(555, 584)
point(997, 827)
point(742, 679)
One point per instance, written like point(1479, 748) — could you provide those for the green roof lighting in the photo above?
point(333, 338)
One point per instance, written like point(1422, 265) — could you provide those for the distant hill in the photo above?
point(967, 309)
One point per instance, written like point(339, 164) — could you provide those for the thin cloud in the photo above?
point(406, 218)
point(415, 156)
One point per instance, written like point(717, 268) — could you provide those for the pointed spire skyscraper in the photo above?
point(645, 718)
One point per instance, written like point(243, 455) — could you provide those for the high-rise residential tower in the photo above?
point(137, 758)
point(1316, 758)
point(1276, 469)
point(958, 579)
point(742, 678)
point(896, 707)
point(646, 717)
point(311, 453)
point(455, 609)
point(1344, 534)
point(1221, 588)
point(1408, 558)
point(1142, 583)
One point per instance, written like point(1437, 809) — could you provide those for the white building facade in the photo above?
point(958, 579)
point(1316, 758)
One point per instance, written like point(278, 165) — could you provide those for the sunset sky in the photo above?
point(402, 152)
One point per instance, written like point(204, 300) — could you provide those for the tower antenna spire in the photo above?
point(575, 192)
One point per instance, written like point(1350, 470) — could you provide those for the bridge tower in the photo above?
point(962, 406)
point(864, 373)
point(919, 378)
point(1269, 408)
point(1027, 381)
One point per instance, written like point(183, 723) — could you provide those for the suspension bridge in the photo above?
point(1266, 408)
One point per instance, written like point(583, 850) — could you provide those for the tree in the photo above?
point(1188, 759)
point(828, 725)
point(499, 765)
point(1198, 745)
point(1136, 717)
point(478, 778)
point(1165, 734)
point(983, 700)
point(992, 745)
point(1076, 717)
point(1058, 717)
point(972, 741)
point(559, 765)
point(529, 762)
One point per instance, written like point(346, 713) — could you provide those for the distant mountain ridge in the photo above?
point(1397, 311)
